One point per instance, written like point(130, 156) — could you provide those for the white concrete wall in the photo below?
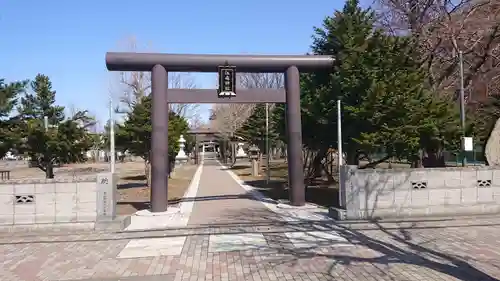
point(49, 201)
point(386, 193)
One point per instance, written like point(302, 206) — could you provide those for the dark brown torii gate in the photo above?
point(161, 64)
point(196, 133)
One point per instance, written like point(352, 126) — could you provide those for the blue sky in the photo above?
point(67, 40)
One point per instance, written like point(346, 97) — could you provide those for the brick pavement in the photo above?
point(438, 249)
point(465, 249)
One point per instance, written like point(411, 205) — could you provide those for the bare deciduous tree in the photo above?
point(445, 27)
point(83, 117)
point(132, 86)
point(177, 80)
point(196, 122)
point(228, 118)
point(261, 80)
point(129, 87)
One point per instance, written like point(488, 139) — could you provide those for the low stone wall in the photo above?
point(400, 193)
point(49, 201)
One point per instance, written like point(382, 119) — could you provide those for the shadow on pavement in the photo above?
point(130, 185)
point(384, 250)
point(384, 246)
point(247, 195)
point(387, 248)
point(235, 167)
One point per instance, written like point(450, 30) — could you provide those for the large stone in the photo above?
point(492, 151)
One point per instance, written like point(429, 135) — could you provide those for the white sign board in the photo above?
point(467, 144)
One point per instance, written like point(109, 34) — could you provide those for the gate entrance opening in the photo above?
point(201, 137)
point(161, 64)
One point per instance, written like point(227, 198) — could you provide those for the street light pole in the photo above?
point(462, 106)
point(268, 169)
point(48, 158)
point(340, 154)
point(111, 135)
point(46, 123)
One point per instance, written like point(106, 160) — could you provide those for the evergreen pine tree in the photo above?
point(64, 140)
point(9, 135)
point(134, 135)
point(254, 128)
point(385, 104)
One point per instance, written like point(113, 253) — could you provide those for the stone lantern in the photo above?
point(253, 154)
point(240, 153)
point(181, 157)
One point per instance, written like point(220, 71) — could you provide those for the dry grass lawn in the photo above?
point(20, 170)
point(318, 191)
point(133, 193)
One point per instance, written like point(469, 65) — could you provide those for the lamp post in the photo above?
point(48, 158)
point(340, 154)
point(462, 106)
point(111, 136)
point(268, 169)
point(46, 123)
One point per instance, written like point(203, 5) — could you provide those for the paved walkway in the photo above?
point(220, 199)
point(466, 249)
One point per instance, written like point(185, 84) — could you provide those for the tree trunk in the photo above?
point(171, 165)
point(233, 153)
point(49, 171)
point(317, 166)
point(147, 172)
point(352, 158)
point(417, 162)
point(434, 159)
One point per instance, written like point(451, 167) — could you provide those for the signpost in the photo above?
point(227, 81)
point(106, 197)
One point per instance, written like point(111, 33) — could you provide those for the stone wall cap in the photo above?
point(90, 178)
point(442, 169)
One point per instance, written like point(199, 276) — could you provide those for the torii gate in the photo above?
point(227, 65)
point(196, 133)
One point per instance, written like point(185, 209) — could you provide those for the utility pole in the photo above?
point(339, 147)
point(46, 123)
point(48, 158)
point(111, 135)
point(462, 106)
point(268, 161)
